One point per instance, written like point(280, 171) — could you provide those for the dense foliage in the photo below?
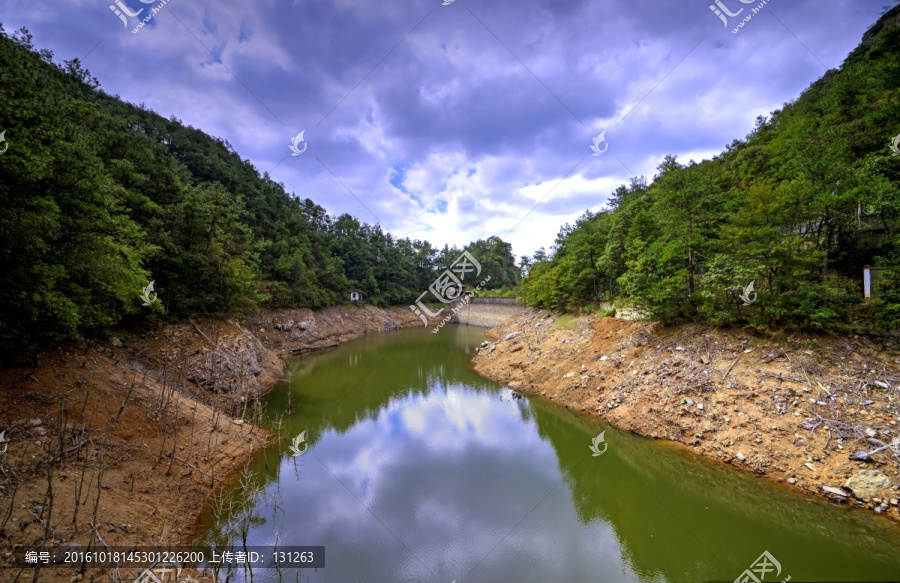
point(798, 207)
point(99, 197)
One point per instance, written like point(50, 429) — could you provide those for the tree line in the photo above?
point(99, 198)
point(798, 207)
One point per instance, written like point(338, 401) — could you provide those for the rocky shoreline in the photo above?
point(134, 434)
point(816, 413)
point(121, 442)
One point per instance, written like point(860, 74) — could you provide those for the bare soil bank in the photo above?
point(791, 408)
point(120, 443)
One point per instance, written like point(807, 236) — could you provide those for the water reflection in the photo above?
point(420, 470)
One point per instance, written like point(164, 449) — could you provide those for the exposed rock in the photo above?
point(860, 456)
point(867, 484)
point(871, 432)
point(115, 342)
point(650, 392)
point(232, 357)
point(511, 335)
point(835, 491)
point(34, 422)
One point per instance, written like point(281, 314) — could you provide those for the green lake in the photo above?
point(420, 470)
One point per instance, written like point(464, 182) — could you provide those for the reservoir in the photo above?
point(416, 469)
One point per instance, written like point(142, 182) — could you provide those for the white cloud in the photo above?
point(450, 99)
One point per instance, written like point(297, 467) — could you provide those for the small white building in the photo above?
point(355, 296)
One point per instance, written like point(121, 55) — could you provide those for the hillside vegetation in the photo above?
point(99, 197)
point(798, 207)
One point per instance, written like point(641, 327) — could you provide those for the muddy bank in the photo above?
point(791, 408)
point(121, 442)
point(300, 331)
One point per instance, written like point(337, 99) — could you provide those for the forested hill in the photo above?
point(798, 207)
point(99, 197)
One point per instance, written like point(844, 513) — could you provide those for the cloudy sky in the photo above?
point(460, 121)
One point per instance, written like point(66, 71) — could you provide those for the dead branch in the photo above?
point(727, 372)
point(208, 339)
point(190, 465)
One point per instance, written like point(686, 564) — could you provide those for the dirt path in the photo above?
point(790, 408)
point(122, 442)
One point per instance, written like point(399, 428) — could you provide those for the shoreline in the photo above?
point(123, 442)
point(785, 407)
point(161, 420)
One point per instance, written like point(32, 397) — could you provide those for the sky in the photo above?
point(456, 120)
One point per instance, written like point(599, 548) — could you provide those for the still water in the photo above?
point(419, 470)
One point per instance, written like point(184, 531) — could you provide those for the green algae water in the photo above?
point(416, 469)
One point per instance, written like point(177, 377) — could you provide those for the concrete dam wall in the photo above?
point(487, 312)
